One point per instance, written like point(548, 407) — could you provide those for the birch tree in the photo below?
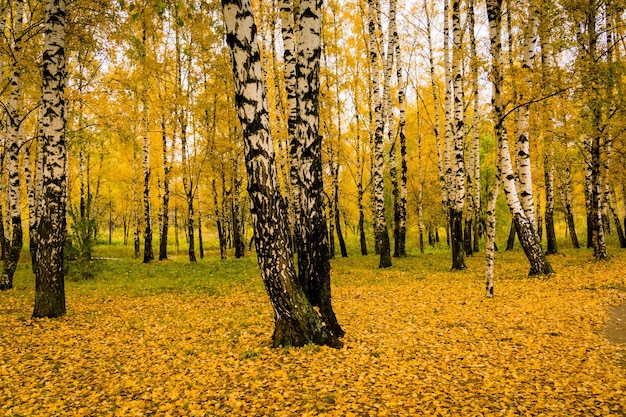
point(14, 141)
point(382, 235)
point(527, 236)
point(457, 197)
point(296, 322)
point(522, 143)
point(51, 224)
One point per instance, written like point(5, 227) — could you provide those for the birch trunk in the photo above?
point(360, 159)
point(549, 213)
point(219, 223)
point(313, 260)
point(238, 238)
point(382, 235)
point(528, 239)
point(14, 139)
point(289, 60)
point(165, 201)
point(457, 198)
point(51, 225)
point(401, 193)
point(566, 197)
point(522, 145)
point(148, 255)
point(475, 154)
point(4, 243)
point(296, 322)
point(440, 163)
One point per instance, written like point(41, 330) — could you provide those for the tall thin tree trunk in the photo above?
point(14, 139)
point(148, 255)
point(549, 214)
point(4, 243)
point(566, 197)
point(51, 225)
point(457, 200)
point(200, 239)
point(382, 234)
point(528, 238)
point(475, 153)
point(165, 202)
point(218, 221)
point(490, 233)
point(522, 144)
point(237, 215)
point(440, 158)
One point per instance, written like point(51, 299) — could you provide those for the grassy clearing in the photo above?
point(176, 339)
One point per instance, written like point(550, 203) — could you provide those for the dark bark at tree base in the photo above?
point(620, 232)
point(467, 237)
point(385, 250)
point(13, 255)
point(550, 235)
point(572, 228)
point(342, 242)
point(510, 243)
point(49, 297)
point(362, 238)
point(298, 333)
point(456, 239)
point(539, 264)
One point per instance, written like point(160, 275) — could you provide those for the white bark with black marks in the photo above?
point(296, 322)
point(51, 225)
point(382, 235)
point(14, 141)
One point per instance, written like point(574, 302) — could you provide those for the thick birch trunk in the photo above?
point(382, 235)
point(296, 322)
point(522, 144)
point(14, 139)
point(525, 230)
point(51, 225)
point(314, 265)
point(289, 59)
point(400, 195)
point(475, 146)
point(457, 200)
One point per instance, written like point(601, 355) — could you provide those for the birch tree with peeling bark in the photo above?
point(296, 322)
point(522, 144)
point(457, 180)
point(382, 235)
point(14, 141)
point(51, 224)
point(539, 265)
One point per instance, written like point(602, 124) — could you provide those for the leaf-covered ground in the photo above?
point(420, 340)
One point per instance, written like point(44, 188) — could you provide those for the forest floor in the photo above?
point(176, 339)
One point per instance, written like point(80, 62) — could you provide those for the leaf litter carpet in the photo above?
point(419, 341)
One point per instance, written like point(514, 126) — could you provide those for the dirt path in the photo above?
point(615, 329)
